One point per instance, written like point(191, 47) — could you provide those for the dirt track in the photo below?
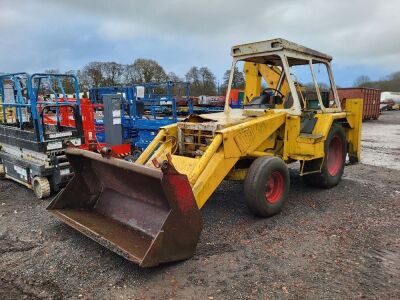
point(338, 243)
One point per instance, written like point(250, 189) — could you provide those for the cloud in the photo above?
point(66, 34)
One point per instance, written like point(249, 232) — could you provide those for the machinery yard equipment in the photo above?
point(371, 100)
point(149, 211)
point(89, 124)
point(160, 108)
point(97, 97)
point(92, 133)
point(137, 112)
point(34, 131)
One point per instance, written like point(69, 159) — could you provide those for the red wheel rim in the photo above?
point(274, 187)
point(334, 160)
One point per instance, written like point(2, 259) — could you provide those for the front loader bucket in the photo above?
point(146, 215)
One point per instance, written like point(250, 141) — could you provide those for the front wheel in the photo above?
point(41, 187)
point(266, 186)
point(334, 162)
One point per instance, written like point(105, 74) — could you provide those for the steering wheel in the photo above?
point(265, 92)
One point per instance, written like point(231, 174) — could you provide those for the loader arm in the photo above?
point(229, 144)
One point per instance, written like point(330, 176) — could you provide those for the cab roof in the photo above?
point(268, 46)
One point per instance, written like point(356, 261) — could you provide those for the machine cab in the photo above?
point(282, 75)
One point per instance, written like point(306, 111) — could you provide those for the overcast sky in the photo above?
point(361, 35)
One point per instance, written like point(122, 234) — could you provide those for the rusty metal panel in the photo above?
point(149, 216)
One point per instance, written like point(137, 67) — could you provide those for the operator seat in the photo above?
point(265, 101)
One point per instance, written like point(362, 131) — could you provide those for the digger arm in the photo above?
point(253, 75)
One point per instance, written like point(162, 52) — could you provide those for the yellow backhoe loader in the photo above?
point(149, 211)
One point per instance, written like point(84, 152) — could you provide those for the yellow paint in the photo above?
point(271, 75)
point(183, 164)
point(215, 171)
point(254, 73)
point(253, 81)
point(354, 109)
point(325, 122)
point(151, 148)
point(236, 174)
point(251, 134)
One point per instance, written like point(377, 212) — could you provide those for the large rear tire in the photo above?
point(41, 187)
point(266, 186)
point(334, 162)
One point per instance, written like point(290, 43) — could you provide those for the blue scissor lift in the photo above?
point(33, 132)
point(97, 97)
point(160, 108)
point(145, 108)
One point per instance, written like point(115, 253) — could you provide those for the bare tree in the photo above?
point(208, 81)
point(143, 71)
point(112, 73)
point(238, 81)
point(202, 81)
point(192, 76)
point(67, 83)
point(84, 80)
point(362, 80)
point(92, 74)
point(174, 77)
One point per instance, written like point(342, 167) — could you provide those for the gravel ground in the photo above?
point(337, 243)
point(381, 141)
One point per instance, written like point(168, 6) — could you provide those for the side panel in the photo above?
point(242, 139)
point(113, 119)
point(354, 107)
point(292, 131)
point(302, 146)
point(325, 122)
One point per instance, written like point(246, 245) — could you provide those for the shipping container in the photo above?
point(216, 100)
point(234, 95)
point(233, 98)
point(371, 98)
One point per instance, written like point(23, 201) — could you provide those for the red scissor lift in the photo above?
point(88, 111)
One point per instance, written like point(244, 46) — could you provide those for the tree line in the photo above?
point(389, 83)
point(98, 74)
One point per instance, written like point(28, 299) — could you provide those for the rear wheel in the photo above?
point(266, 186)
point(41, 187)
point(334, 162)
